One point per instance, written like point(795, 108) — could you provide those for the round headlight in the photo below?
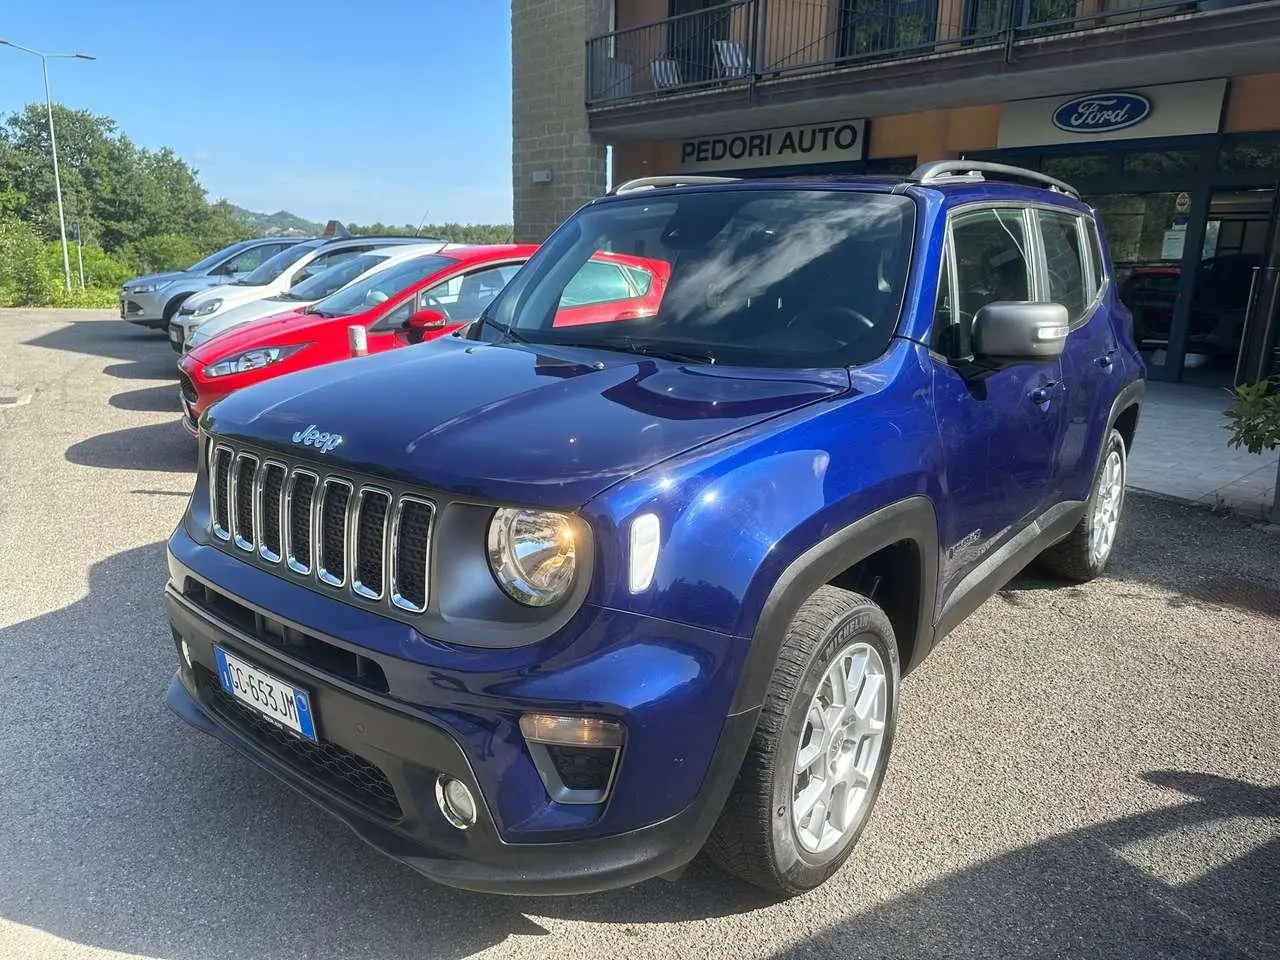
point(533, 555)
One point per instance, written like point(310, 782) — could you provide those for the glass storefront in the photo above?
point(1207, 205)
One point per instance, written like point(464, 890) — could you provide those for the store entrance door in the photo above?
point(1259, 356)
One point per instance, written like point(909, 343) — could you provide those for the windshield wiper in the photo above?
point(506, 332)
point(650, 349)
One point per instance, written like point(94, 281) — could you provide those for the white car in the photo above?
point(286, 269)
point(201, 329)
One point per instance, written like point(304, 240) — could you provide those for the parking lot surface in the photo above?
point(1079, 772)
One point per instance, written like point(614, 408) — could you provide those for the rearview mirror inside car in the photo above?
point(1008, 332)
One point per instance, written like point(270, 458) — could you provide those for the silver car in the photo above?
point(152, 300)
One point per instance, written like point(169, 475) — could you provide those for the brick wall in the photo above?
point(548, 111)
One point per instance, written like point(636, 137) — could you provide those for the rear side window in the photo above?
point(1065, 261)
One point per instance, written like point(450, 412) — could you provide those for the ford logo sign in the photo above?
point(1102, 113)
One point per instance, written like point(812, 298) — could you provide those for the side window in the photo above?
point(1065, 261)
point(250, 259)
point(322, 263)
point(991, 263)
point(474, 293)
point(398, 317)
point(1095, 254)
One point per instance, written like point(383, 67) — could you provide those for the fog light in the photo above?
point(456, 802)
point(186, 654)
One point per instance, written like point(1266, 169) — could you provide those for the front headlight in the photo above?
point(206, 308)
point(533, 555)
point(251, 360)
point(150, 287)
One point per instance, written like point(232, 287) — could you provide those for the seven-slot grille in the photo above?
point(340, 532)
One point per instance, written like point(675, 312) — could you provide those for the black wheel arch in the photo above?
point(912, 519)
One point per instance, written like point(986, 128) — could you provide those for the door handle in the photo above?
point(1042, 393)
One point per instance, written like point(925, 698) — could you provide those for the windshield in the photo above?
point(217, 256)
point(770, 277)
point(272, 268)
point(381, 286)
point(334, 279)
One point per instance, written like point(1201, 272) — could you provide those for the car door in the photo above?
point(459, 298)
point(1073, 274)
point(999, 429)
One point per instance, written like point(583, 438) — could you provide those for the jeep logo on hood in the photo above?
point(324, 442)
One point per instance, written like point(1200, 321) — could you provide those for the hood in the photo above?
point(157, 278)
point(292, 327)
point(548, 426)
point(231, 295)
point(236, 316)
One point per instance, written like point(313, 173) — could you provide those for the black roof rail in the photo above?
point(942, 171)
point(654, 183)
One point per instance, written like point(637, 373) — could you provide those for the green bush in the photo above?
point(25, 278)
point(1255, 418)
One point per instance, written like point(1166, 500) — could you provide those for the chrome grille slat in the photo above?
point(243, 478)
point(334, 532)
point(410, 553)
point(368, 543)
point(269, 502)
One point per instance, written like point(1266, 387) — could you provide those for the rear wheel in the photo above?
point(1084, 553)
point(816, 761)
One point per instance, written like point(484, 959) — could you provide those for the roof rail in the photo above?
point(654, 183)
point(940, 171)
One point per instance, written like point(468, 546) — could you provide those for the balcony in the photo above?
point(744, 43)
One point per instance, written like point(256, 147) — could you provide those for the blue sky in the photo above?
point(365, 112)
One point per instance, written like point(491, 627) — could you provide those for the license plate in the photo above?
point(175, 334)
point(270, 696)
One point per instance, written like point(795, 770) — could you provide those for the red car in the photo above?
point(420, 299)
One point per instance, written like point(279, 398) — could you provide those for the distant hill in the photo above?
point(278, 223)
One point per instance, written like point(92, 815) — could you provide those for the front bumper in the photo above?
point(144, 309)
point(409, 745)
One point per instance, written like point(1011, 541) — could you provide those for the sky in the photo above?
point(377, 111)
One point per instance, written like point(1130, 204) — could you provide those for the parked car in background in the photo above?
point(287, 268)
point(1217, 307)
point(305, 293)
point(417, 298)
point(548, 608)
point(152, 300)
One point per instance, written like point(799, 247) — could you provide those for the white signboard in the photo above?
point(1129, 113)
point(828, 142)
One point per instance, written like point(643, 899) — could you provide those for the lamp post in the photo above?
point(53, 141)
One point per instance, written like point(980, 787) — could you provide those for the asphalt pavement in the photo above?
point(1079, 772)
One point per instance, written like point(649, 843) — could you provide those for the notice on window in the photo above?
point(1175, 239)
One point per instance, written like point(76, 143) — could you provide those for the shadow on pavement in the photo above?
point(165, 447)
point(123, 829)
point(158, 399)
point(108, 338)
point(1124, 888)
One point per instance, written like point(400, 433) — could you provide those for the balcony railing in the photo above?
point(740, 42)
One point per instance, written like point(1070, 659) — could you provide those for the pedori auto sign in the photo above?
point(776, 147)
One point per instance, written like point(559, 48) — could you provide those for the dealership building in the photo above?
point(1165, 115)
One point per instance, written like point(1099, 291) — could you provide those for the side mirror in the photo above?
point(427, 319)
point(1008, 332)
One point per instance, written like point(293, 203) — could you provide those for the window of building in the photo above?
point(1065, 261)
point(1250, 156)
point(1089, 166)
point(1151, 163)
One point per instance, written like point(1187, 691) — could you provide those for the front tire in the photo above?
point(816, 761)
point(1083, 554)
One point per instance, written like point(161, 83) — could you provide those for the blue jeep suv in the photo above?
point(550, 607)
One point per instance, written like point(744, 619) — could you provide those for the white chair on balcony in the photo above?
point(665, 73)
point(731, 59)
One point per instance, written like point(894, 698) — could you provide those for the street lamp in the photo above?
point(53, 142)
